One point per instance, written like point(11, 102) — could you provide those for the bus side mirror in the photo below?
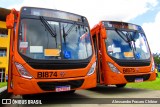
point(103, 33)
point(10, 21)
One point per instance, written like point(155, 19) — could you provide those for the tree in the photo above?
point(156, 59)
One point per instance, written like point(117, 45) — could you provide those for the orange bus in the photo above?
point(123, 53)
point(50, 51)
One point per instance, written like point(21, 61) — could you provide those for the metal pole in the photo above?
point(1, 76)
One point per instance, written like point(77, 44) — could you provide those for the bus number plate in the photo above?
point(63, 88)
point(139, 80)
point(46, 74)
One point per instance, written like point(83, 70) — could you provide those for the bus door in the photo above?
point(100, 53)
point(96, 40)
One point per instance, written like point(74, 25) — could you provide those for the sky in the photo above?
point(145, 13)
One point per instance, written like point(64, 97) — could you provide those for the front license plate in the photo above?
point(63, 88)
point(139, 80)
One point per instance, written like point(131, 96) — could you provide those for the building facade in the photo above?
point(4, 51)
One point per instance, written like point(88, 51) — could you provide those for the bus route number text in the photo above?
point(46, 74)
point(128, 70)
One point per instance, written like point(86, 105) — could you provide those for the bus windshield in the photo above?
point(127, 45)
point(40, 38)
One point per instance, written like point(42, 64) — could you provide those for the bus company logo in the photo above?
point(20, 101)
point(6, 101)
point(137, 70)
point(62, 74)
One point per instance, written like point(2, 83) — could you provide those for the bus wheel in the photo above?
point(120, 85)
point(26, 97)
point(70, 92)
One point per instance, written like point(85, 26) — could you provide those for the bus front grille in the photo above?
point(131, 78)
point(50, 86)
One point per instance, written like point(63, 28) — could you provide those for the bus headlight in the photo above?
point(153, 67)
point(23, 72)
point(92, 69)
point(113, 68)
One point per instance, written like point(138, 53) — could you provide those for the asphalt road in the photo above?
point(95, 97)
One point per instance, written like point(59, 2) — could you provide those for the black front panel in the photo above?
point(131, 78)
point(56, 64)
point(132, 63)
point(50, 86)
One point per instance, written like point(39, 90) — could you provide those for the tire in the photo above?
point(120, 85)
point(70, 92)
point(26, 96)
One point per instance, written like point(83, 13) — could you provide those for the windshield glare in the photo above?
point(68, 41)
point(127, 45)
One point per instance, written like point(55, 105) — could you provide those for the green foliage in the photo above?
point(2, 84)
point(152, 85)
point(157, 59)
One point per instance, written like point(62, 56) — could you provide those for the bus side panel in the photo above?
point(152, 77)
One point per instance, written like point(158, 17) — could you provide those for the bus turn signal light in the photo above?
point(113, 68)
point(153, 67)
point(92, 69)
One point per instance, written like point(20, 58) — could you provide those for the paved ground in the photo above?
point(3, 88)
point(97, 95)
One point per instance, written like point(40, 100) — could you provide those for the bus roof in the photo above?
point(121, 25)
point(52, 13)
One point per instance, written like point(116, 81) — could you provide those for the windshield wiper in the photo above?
point(66, 33)
point(133, 39)
point(49, 28)
point(124, 37)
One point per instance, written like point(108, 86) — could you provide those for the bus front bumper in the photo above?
point(22, 86)
point(128, 78)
